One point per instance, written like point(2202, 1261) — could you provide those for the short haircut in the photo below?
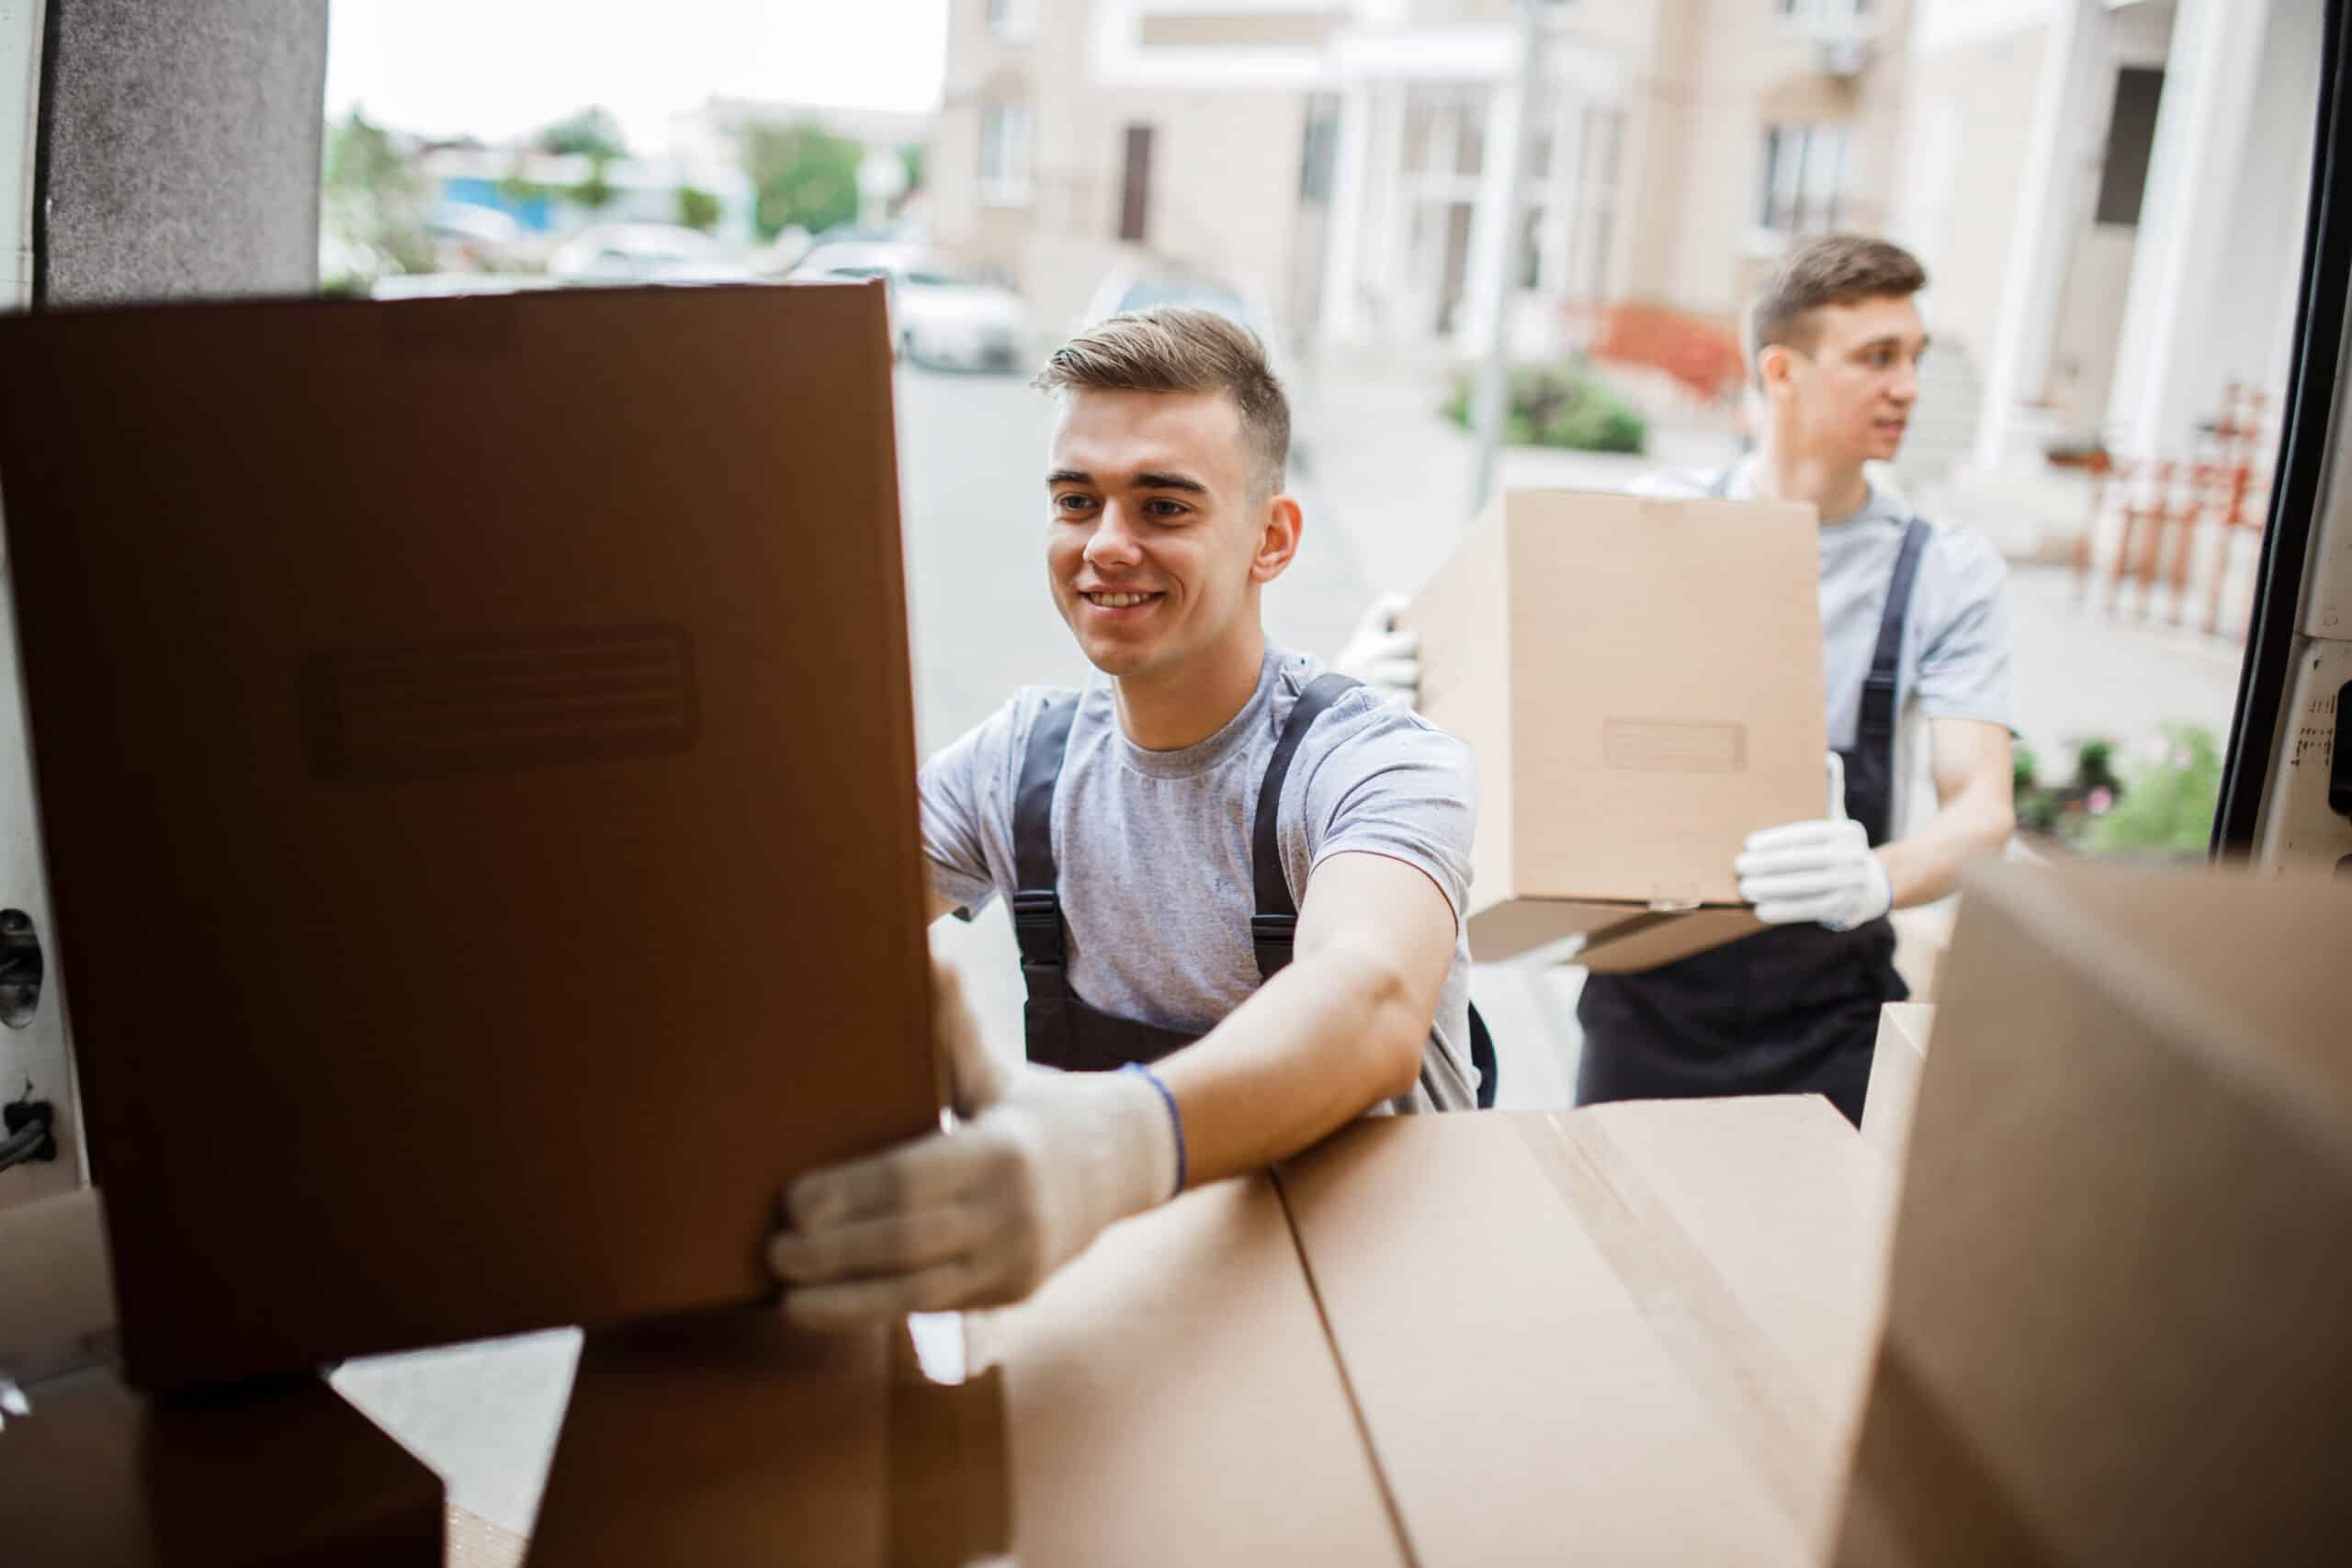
point(1836, 269)
point(1176, 348)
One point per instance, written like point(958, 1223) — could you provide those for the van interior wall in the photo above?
point(178, 156)
point(181, 147)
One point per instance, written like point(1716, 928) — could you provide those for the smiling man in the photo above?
point(1238, 881)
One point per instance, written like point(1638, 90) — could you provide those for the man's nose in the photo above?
point(1114, 541)
point(1905, 389)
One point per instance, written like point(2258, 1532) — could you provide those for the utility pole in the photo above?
point(1493, 400)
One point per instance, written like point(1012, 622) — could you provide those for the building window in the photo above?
point(1012, 19)
point(1823, 10)
point(1134, 191)
point(1319, 153)
point(1004, 154)
point(1804, 177)
point(2131, 143)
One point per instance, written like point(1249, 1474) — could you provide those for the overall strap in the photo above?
point(1273, 928)
point(1876, 728)
point(1036, 903)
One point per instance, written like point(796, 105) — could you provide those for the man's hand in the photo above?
point(1041, 1163)
point(1822, 870)
point(1384, 658)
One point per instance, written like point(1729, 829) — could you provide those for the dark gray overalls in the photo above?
point(1063, 1030)
point(1791, 1010)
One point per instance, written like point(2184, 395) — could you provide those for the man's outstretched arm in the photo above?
point(1338, 1031)
point(1044, 1161)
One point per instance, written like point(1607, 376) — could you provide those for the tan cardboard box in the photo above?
point(283, 1475)
point(1641, 680)
point(2120, 1324)
point(1634, 1333)
point(1897, 1062)
point(477, 762)
point(1170, 1398)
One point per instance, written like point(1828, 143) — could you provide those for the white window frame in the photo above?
point(1009, 20)
point(1005, 143)
point(1807, 177)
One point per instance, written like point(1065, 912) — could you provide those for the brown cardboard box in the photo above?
point(1170, 1398)
point(1897, 1062)
point(475, 748)
point(282, 1476)
point(2118, 1321)
point(1641, 680)
point(1634, 1333)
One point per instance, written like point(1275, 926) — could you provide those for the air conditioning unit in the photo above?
point(1841, 52)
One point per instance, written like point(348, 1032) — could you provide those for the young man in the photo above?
point(1911, 616)
point(1156, 833)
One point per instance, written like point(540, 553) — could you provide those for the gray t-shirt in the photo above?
point(1955, 655)
point(1153, 847)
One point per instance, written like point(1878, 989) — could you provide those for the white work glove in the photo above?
point(1039, 1164)
point(1820, 871)
point(1383, 657)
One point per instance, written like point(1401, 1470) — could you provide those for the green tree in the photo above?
point(370, 194)
point(802, 174)
point(518, 189)
point(698, 209)
point(911, 156)
point(592, 131)
point(2168, 809)
point(596, 192)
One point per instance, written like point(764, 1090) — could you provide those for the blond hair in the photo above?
point(1177, 348)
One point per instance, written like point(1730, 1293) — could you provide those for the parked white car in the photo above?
point(1138, 286)
point(643, 253)
point(941, 317)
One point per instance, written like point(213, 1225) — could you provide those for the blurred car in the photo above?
point(643, 253)
point(1138, 286)
point(940, 317)
point(438, 284)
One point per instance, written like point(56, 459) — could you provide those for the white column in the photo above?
point(2183, 257)
point(1492, 216)
point(2042, 227)
point(1342, 267)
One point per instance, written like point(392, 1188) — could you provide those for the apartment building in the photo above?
point(2109, 193)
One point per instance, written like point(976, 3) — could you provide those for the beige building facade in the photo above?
point(2109, 194)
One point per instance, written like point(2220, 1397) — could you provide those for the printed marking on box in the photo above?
point(1673, 746)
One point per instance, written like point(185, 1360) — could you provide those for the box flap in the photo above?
point(2116, 1328)
point(1669, 702)
point(1607, 1339)
point(1896, 1063)
point(1174, 1400)
point(1646, 944)
point(728, 1438)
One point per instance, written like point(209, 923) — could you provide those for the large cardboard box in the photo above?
point(2118, 1321)
point(476, 759)
point(1634, 1333)
point(1641, 680)
point(281, 1476)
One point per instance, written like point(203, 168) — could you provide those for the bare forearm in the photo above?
point(1924, 867)
point(1334, 1033)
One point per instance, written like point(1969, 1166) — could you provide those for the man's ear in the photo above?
point(1283, 522)
point(1774, 365)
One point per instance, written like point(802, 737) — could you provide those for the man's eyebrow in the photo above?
point(1150, 479)
point(1890, 340)
point(1070, 477)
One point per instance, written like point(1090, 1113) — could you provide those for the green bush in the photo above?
point(2168, 804)
point(1557, 405)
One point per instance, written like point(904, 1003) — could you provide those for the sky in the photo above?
point(499, 68)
